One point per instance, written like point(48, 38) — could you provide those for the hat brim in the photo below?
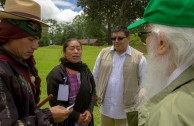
point(136, 24)
point(8, 15)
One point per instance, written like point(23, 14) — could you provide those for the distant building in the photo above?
point(92, 42)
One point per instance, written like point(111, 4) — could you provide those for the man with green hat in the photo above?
point(167, 97)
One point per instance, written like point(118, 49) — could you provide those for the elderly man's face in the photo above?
point(23, 48)
point(158, 64)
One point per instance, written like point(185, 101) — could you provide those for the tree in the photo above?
point(44, 41)
point(57, 33)
point(113, 12)
point(2, 3)
point(87, 28)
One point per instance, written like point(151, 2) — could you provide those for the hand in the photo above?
point(88, 117)
point(81, 119)
point(60, 113)
point(143, 95)
point(97, 102)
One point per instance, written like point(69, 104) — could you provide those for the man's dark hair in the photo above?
point(121, 28)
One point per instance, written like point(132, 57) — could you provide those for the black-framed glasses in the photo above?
point(142, 35)
point(118, 38)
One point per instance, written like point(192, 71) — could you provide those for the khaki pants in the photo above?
point(107, 121)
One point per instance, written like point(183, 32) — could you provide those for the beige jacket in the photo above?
point(130, 75)
point(173, 106)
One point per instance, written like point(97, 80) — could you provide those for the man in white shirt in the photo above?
point(118, 73)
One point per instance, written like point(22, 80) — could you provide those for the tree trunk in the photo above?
point(109, 34)
point(122, 20)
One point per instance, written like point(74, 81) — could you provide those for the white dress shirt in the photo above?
point(112, 105)
point(178, 71)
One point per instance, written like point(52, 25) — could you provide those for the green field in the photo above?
point(48, 57)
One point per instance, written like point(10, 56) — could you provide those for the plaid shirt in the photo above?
point(74, 86)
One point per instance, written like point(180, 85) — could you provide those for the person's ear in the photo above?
point(128, 38)
point(163, 45)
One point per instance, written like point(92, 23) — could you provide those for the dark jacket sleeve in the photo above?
point(54, 78)
point(93, 92)
point(9, 113)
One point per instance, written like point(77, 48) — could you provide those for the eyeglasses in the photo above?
point(143, 35)
point(118, 38)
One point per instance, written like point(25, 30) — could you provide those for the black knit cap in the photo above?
point(15, 29)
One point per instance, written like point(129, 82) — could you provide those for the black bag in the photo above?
point(132, 118)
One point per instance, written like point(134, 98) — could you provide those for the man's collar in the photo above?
point(128, 51)
point(178, 71)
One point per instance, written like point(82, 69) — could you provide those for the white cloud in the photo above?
point(50, 11)
point(64, 4)
point(67, 15)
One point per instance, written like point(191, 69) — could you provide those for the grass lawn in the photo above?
point(48, 57)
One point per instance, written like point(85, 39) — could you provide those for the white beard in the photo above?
point(155, 78)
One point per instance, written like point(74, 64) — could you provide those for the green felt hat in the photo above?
point(178, 13)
